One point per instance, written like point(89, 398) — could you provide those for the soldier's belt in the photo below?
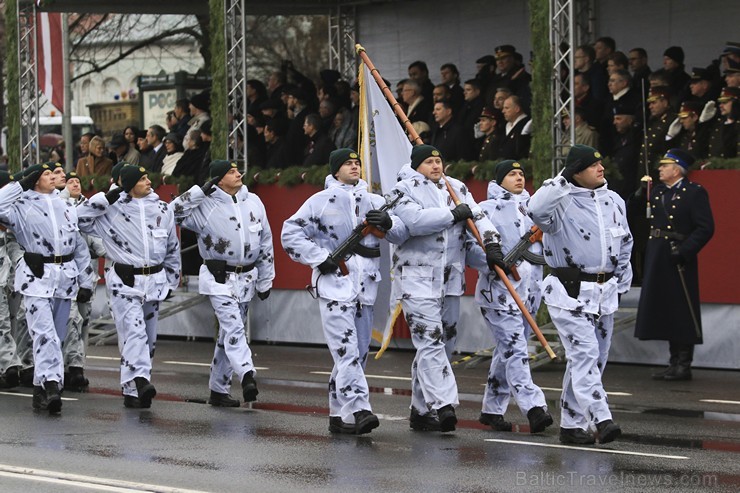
point(568, 274)
point(663, 233)
point(51, 259)
point(138, 271)
point(367, 252)
point(239, 268)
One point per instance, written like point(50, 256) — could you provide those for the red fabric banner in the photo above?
point(49, 66)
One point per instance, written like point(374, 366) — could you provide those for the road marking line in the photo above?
point(16, 394)
point(555, 389)
point(86, 481)
point(191, 363)
point(587, 449)
point(108, 358)
point(719, 401)
point(405, 379)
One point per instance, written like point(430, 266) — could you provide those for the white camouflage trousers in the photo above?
point(348, 390)
point(136, 325)
point(19, 329)
point(75, 344)
point(364, 325)
point(47, 323)
point(450, 317)
point(433, 384)
point(586, 339)
point(232, 354)
point(8, 353)
point(509, 373)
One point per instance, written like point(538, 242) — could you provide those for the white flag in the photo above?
point(384, 146)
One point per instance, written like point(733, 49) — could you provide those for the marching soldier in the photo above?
point(509, 374)
point(429, 279)
point(138, 232)
point(10, 363)
point(56, 263)
point(75, 344)
point(680, 225)
point(322, 223)
point(235, 241)
point(587, 244)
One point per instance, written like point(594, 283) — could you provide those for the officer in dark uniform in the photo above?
point(680, 225)
point(687, 131)
point(661, 116)
point(725, 127)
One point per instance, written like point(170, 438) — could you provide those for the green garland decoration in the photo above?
point(218, 74)
point(541, 150)
point(13, 107)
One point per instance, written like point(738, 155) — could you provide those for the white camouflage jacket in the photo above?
point(234, 230)
point(509, 214)
point(138, 232)
point(431, 263)
point(322, 224)
point(47, 225)
point(587, 229)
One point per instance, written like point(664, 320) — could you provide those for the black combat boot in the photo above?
point(683, 369)
point(336, 425)
point(608, 431)
point(39, 398)
point(539, 419)
point(447, 418)
point(576, 436)
point(77, 382)
point(53, 397)
point(672, 363)
point(249, 387)
point(365, 422)
point(218, 399)
point(423, 422)
point(11, 378)
point(495, 421)
point(131, 402)
point(26, 376)
point(146, 391)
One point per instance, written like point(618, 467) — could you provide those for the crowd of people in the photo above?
point(294, 120)
point(52, 236)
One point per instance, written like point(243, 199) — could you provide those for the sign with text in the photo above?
point(156, 104)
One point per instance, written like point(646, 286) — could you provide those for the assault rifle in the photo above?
point(348, 246)
point(521, 250)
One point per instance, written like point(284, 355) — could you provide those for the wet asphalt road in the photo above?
point(675, 438)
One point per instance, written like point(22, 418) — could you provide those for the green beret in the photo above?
point(32, 169)
point(115, 173)
point(421, 152)
point(54, 165)
point(5, 178)
point(220, 167)
point(340, 156)
point(581, 157)
point(504, 167)
point(130, 175)
point(72, 174)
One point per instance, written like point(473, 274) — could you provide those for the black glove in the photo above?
point(210, 186)
point(461, 213)
point(328, 266)
point(84, 295)
point(28, 182)
point(495, 256)
point(676, 257)
point(380, 219)
point(568, 173)
point(263, 295)
point(113, 195)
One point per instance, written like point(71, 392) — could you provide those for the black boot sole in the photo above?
point(250, 394)
point(54, 404)
point(610, 434)
point(146, 395)
point(541, 424)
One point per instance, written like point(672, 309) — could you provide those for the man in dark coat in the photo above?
point(680, 225)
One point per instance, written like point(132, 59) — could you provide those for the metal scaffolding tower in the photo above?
point(235, 27)
point(342, 27)
point(570, 26)
point(28, 84)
